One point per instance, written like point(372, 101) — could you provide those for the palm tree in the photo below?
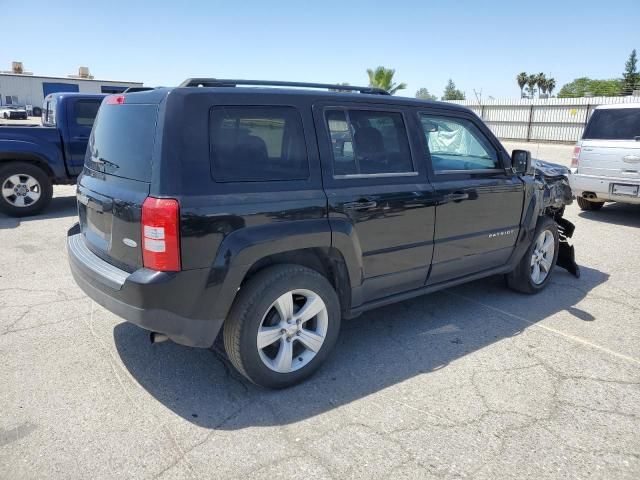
point(541, 82)
point(383, 78)
point(522, 81)
point(532, 80)
point(551, 84)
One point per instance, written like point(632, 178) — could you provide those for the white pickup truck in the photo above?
point(605, 165)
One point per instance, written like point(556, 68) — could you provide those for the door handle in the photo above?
point(456, 197)
point(362, 204)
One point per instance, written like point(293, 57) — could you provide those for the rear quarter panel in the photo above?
point(43, 143)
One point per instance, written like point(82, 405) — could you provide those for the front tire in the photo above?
point(25, 189)
point(534, 270)
point(282, 326)
point(585, 204)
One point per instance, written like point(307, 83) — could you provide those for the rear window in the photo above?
point(121, 141)
point(613, 124)
point(257, 143)
point(85, 111)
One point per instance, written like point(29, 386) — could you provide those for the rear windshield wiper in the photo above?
point(104, 161)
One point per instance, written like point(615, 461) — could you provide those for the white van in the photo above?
point(605, 165)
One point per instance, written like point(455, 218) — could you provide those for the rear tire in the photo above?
point(267, 335)
point(585, 204)
point(541, 254)
point(25, 189)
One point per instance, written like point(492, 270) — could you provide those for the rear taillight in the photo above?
point(575, 157)
point(160, 234)
point(115, 100)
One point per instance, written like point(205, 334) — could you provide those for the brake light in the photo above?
point(115, 99)
point(575, 157)
point(160, 234)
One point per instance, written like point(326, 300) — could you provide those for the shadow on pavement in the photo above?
point(615, 214)
point(381, 348)
point(59, 207)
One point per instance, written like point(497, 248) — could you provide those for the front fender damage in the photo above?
point(553, 180)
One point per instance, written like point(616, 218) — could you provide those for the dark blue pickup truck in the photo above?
point(33, 158)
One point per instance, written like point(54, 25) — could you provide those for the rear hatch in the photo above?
point(116, 180)
point(610, 145)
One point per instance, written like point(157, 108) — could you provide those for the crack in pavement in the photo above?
point(550, 329)
point(114, 369)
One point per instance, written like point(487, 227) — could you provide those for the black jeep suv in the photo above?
point(272, 213)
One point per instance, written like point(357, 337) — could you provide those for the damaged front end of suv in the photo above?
point(552, 181)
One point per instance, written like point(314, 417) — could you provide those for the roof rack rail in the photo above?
point(224, 82)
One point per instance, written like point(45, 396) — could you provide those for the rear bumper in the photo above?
point(602, 187)
point(165, 302)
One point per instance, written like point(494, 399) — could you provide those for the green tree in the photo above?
point(451, 92)
point(551, 85)
point(382, 77)
point(584, 86)
point(522, 81)
point(532, 81)
point(541, 82)
point(424, 94)
point(631, 76)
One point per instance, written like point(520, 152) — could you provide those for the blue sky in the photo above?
point(480, 45)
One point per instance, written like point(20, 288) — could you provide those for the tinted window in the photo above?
point(457, 144)
point(85, 111)
point(121, 141)
point(368, 142)
point(257, 144)
point(614, 124)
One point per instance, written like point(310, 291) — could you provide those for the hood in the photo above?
point(548, 169)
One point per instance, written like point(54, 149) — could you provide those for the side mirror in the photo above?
point(521, 161)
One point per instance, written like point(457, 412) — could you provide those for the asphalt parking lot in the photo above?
point(476, 381)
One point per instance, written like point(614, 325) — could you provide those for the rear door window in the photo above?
point(613, 124)
point(257, 144)
point(121, 142)
point(456, 144)
point(367, 142)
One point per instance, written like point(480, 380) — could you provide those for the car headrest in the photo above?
point(251, 149)
point(368, 141)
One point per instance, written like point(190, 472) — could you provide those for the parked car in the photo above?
point(231, 208)
point(34, 158)
point(13, 112)
point(606, 161)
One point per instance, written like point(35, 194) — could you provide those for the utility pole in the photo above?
point(478, 96)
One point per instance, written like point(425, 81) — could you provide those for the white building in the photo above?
point(18, 87)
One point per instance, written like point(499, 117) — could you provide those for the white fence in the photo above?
point(549, 120)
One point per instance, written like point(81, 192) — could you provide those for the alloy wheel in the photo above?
point(21, 190)
point(292, 331)
point(542, 257)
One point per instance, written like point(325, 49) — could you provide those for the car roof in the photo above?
point(157, 95)
point(615, 106)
